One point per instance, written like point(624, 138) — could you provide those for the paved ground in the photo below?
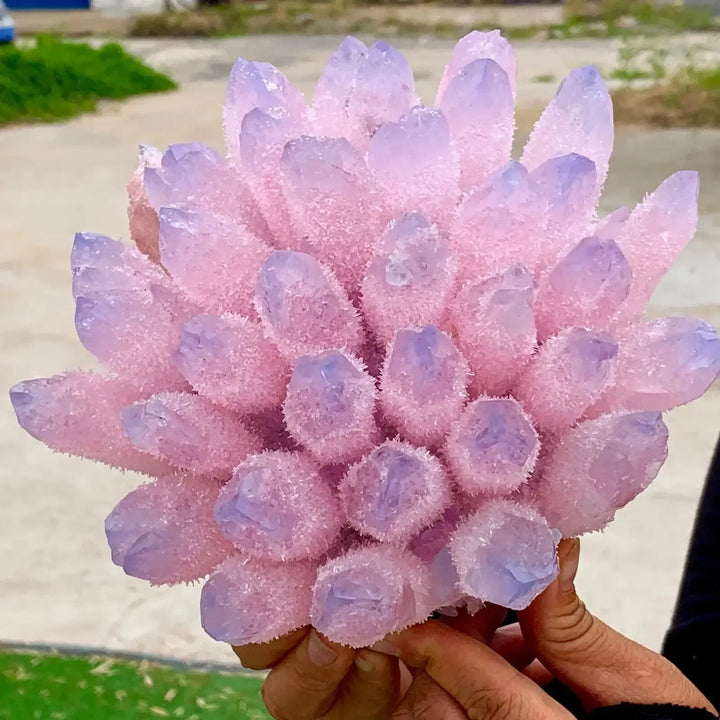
point(69, 23)
point(112, 18)
point(56, 580)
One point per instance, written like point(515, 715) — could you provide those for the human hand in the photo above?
point(469, 680)
point(311, 677)
point(462, 668)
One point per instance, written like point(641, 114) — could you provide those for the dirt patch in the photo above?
point(668, 105)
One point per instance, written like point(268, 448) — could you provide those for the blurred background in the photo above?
point(82, 83)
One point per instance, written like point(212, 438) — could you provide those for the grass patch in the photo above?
point(56, 80)
point(641, 60)
point(60, 687)
point(612, 18)
point(691, 98)
point(662, 18)
point(685, 89)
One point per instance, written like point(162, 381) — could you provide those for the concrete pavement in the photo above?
point(57, 584)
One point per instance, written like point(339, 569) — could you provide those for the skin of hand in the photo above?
point(601, 666)
point(311, 677)
point(465, 668)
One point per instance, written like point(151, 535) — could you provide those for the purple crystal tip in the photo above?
point(26, 397)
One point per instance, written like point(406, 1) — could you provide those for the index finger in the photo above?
point(482, 682)
point(263, 656)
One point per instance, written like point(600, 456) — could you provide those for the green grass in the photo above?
point(690, 98)
point(56, 80)
point(686, 94)
point(614, 18)
point(641, 59)
point(547, 78)
point(61, 687)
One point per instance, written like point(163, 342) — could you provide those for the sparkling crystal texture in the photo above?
point(277, 507)
point(370, 365)
point(579, 119)
point(329, 407)
point(302, 306)
point(410, 278)
point(250, 601)
point(505, 554)
point(423, 384)
point(586, 288)
point(394, 492)
point(361, 596)
point(495, 328)
point(217, 353)
point(188, 432)
point(663, 363)
point(164, 531)
point(570, 372)
point(492, 448)
point(598, 467)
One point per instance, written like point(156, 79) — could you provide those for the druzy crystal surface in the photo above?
point(372, 365)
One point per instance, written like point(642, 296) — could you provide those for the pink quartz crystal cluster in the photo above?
point(375, 367)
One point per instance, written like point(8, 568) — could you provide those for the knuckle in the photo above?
point(484, 704)
point(308, 682)
point(573, 629)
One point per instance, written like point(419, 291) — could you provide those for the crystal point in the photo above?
point(214, 259)
point(332, 203)
point(256, 85)
point(567, 187)
point(164, 531)
point(567, 376)
point(598, 467)
point(479, 106)
point(79, 413)
point(361, 88)
point(410, 277)
point(277, 507)
point(478, 45)
point(495, 328)
point(363, 595)
point(492, 448)
point(251, 601)
point(423, 384)
point(188, 432)
point(302, 306)
point(499, 211)
point(578, 120)
point(414, 165)
point(217, 353)
point(655, 232)
point(505, 554)
point(329, 407)
point(586, 288)
point(663, 363)
point(394, 492)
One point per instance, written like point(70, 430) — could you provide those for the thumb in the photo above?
point(601, 666)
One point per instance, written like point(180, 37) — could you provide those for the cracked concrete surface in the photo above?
point(57, 584)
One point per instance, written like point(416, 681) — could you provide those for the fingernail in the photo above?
point(386, 648)
point(363, 663)
point(569, 555)
point(318, 652)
